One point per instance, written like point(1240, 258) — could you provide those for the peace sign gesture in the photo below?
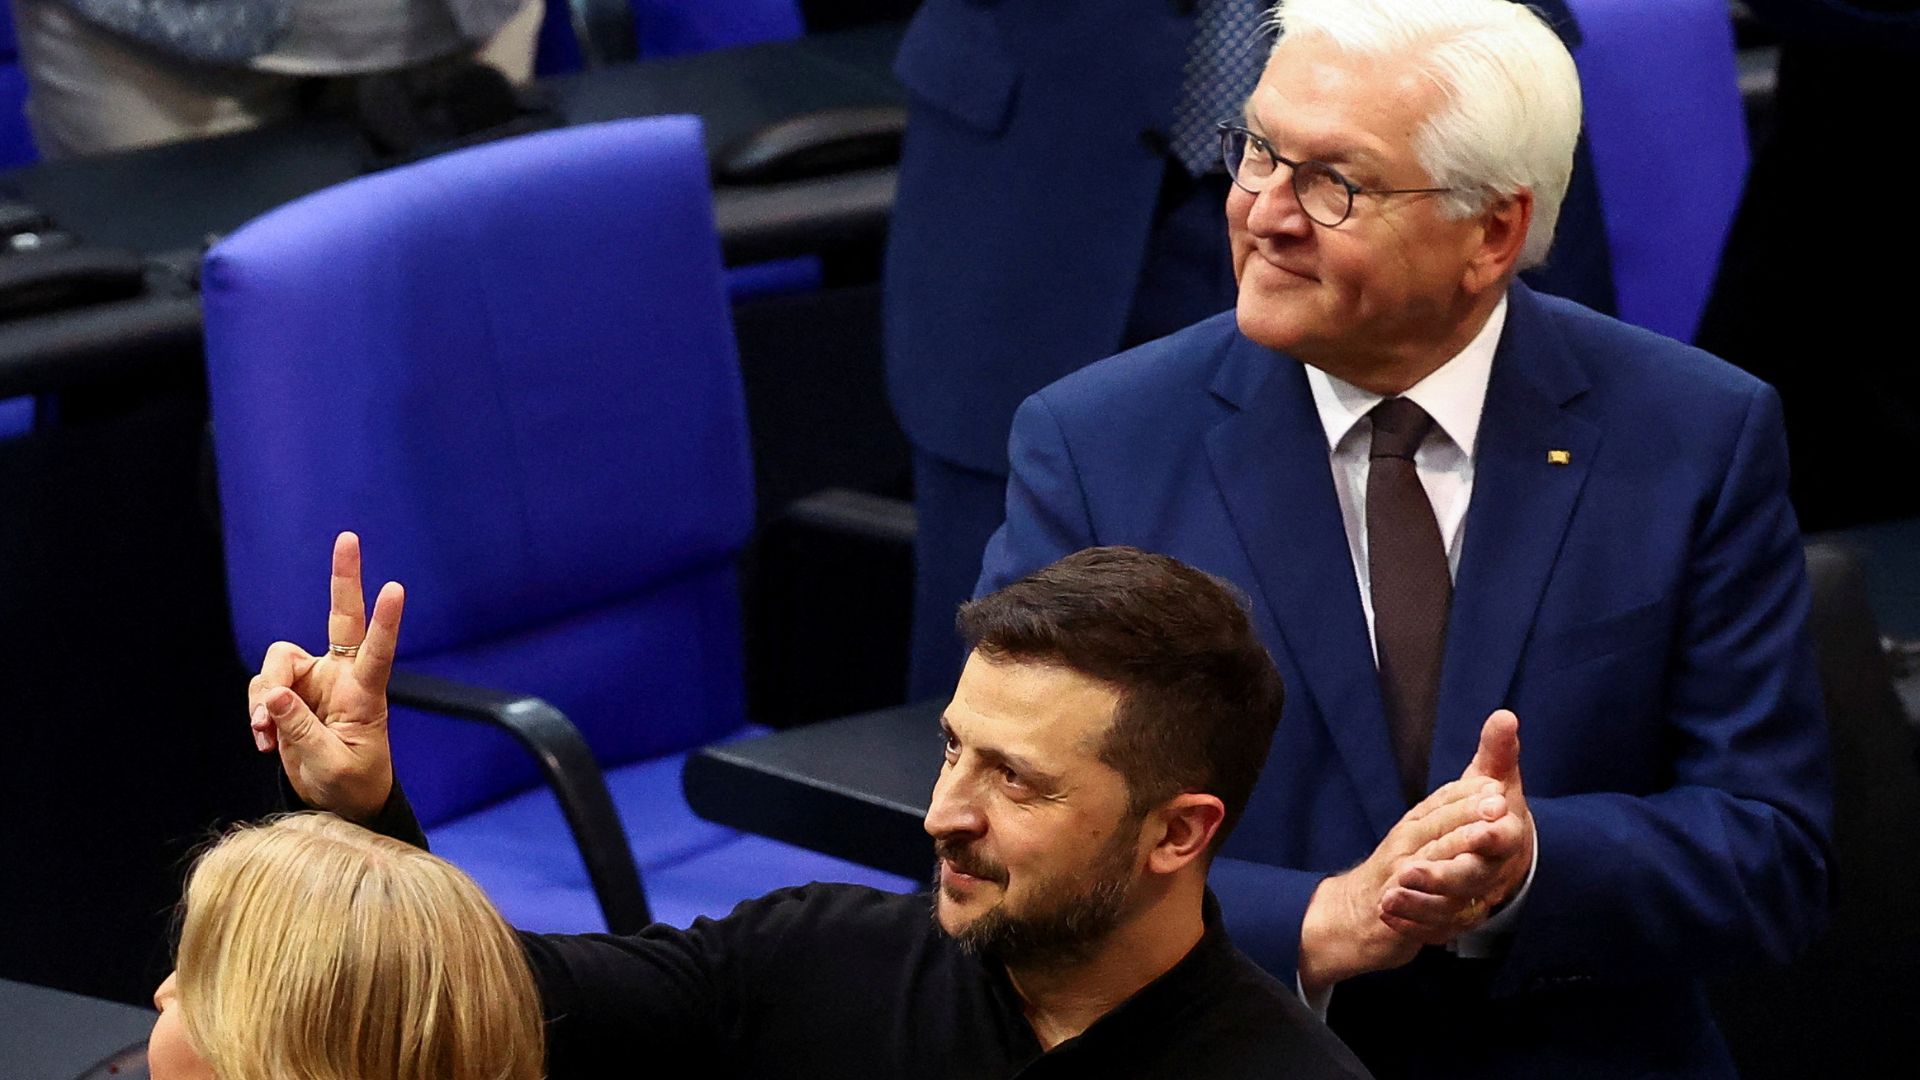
point(327, 715)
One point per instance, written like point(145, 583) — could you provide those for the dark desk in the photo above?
point(854, 788)
point(51, 1035)
point(170, 199)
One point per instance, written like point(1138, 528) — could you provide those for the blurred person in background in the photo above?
point(313, 948)
point(108, 75)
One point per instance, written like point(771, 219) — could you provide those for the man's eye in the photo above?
point(1008, 776)
point(949, 746)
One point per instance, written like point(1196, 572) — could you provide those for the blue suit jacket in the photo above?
point(1032, 166)
point(1642, 608)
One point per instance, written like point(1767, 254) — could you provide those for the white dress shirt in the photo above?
point(1454, 395)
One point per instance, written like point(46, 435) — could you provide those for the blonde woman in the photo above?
point(312, 949)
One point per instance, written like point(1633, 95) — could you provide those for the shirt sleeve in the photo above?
point(614, 1002)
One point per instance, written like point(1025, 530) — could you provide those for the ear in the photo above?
point(1188, 823)
point(1502, 235)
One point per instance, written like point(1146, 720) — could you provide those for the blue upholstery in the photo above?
point(16, 139)
point(1665, 120)
point(512, 370)
point(673, 28)
point(684, 856)
point(16, 417)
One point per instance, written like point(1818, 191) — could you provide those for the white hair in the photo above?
point(1511, 113)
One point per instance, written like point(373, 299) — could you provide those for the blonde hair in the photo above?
point(312, 949)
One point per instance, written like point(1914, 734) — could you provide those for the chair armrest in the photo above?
point(856, 515)
point(824, 142)
point(568, 768)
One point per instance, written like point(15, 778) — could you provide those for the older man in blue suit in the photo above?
point(1059, 200)
point(1450, 497)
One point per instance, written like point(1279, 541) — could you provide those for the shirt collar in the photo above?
point(1207, 965)
point(1453, 394)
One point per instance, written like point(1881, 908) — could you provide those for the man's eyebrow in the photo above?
point(1354, 156)
point(995, 756)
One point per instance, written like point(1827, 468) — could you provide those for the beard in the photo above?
point(1063, 918)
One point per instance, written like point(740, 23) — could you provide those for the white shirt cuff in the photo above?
point(1317, 1002)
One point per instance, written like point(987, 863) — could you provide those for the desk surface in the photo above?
point(48, 1034)
point(856, 788)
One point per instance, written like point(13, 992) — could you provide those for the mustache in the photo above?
point(969, 862)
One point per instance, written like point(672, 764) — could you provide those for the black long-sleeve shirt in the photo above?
point(847, 981)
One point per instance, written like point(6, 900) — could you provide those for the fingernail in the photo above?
point(259, 717)
point(1492, 805)
point(260, 741)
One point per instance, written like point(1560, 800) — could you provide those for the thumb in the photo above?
point(294, 723)
point(1498, 755)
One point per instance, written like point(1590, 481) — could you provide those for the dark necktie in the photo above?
point(1407, 567)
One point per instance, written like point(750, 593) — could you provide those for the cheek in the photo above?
point(169, 1055)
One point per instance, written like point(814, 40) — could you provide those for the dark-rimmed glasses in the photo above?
point(1325, 195)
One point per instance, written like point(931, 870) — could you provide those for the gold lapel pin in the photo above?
point(1559, 457)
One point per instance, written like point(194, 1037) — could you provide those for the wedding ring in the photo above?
point(354, 650)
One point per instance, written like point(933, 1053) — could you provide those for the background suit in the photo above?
point(1038, 228)
point(1642, 609)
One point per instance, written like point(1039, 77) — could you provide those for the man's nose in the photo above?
point(1276, 209)
point(953, 810)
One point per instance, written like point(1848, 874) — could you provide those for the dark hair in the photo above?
point(1198, 694)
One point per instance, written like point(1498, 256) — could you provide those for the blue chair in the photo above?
point(16, 139)
point(512, 370)
point(1669, 138)
point(622, 30)
point(16, 417)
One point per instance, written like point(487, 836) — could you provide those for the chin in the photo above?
point(1264, 325)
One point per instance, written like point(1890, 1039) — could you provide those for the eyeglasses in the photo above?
point(1325, 195)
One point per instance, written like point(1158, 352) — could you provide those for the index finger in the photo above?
point(1451, 816)
point(374, 665)
point(347, 617)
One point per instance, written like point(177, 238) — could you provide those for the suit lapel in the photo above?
point(1288, 522)
point(1522, 501)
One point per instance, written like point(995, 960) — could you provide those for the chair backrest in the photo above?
point(1665, 120)
point(1846, 1006)
point(16, 140)
point(674, 27)
point(656, 28)
point(511, 370)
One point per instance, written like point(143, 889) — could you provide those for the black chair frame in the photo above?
point(568, 768)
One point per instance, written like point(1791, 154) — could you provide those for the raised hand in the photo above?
point(327, 714)
point(1343, 934)
point(1460, 876)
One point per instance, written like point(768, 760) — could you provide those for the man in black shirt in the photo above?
point(1103, 739)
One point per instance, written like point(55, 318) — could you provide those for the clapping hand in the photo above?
point(1457, 878)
